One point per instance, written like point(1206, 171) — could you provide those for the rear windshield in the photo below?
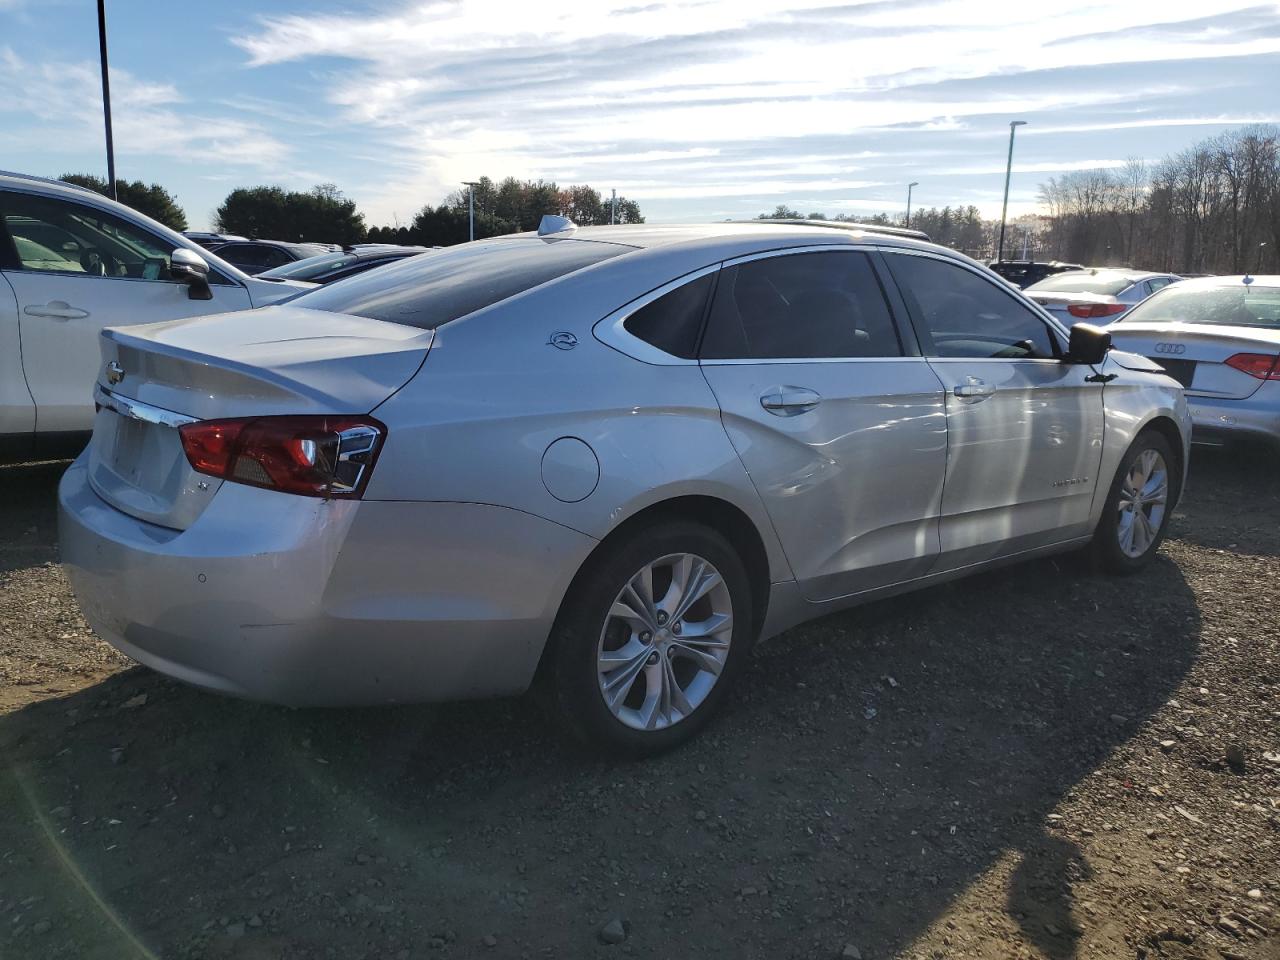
point(1107, 284)
point(310, 267)
point(442, 285)
point(1240, 306)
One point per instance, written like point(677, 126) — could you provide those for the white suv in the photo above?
point(71, 263)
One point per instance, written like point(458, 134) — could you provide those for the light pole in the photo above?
point(613, 207)
point(910, 186)
point(106, 98)
point(1008, 172)
point(471, 207)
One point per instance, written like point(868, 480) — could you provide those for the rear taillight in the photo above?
point(316, 456)
point(1264, 366)
point(1091, 311)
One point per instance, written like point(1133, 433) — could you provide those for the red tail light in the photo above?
point(1091, 311)
point(316, 456)
point(1264, 366)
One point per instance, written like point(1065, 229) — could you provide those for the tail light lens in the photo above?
point(1091, 311)
point(1264, 366)
point(314, 456)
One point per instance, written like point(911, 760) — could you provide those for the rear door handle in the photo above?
point(58, 310)
point(787, 401)
point(974, 389)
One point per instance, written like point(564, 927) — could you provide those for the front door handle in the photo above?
point(58, 310)
point(974, 388)
point(789, 401)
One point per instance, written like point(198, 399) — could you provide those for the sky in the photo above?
point(699, 109)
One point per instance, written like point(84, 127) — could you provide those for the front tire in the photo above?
point(1136, 514)
point(650, 638)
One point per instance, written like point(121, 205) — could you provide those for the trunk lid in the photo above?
point(1058, 304)
point(1195, 354)
point(276, 360)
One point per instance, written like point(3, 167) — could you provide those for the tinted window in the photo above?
point(275, 257)
point(442, 285)
point(243, 254)
point(800, 305)
point(59, 236)
point(1108, 284)
point(312, 267)
point(672, 322)
point(1236, 305)
point(966, 315)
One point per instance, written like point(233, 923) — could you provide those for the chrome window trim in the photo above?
point(612, 333)
point(767, 360)
point(137, 410)
point(1064, 338)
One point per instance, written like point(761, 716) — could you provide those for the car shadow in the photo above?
point(872, 766)
point(29, 522)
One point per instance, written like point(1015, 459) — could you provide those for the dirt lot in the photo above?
point(1034, 763)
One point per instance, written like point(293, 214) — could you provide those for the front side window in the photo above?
point(800, 306)
point(59, 236)
point(966, 315)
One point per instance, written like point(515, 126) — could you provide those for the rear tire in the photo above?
point(1139, 504)
point(650, 638)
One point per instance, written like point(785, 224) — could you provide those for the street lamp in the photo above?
point(1008, 172)
point(913, 183)
point(106, 98)
point(471, 207)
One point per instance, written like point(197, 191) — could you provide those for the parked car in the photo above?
point(211, 240)
point(1023, 273)
point(71, 263)
point(328, 267)
point(1220, 338)
point(1100, 295)
point(608, 457)
point(257, 256)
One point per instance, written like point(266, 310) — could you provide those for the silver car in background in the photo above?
point(1220, 338)
point(1096, 295)
point(606, 459)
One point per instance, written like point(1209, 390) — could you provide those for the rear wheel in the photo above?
point(650, 638)
point(1137, 511)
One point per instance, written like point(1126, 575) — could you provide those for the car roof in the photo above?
point(1118, 272)
point(1255, 280)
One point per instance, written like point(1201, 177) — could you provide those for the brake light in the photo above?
point(315, 456)
point(1264, 366)
point(1091, 311)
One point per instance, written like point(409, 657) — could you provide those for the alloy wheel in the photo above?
point(665, 641)
point(1144, 495)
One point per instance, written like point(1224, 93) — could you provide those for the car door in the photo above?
point(837, 419)
point(1024, 427)
point(17, 411)
point(76, 269)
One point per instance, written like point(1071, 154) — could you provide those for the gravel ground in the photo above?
point(1038, 762)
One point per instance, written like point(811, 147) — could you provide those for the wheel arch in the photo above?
point(1170, 431)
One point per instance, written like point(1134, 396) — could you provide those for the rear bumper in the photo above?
point(306, 602)
point(1256, 417)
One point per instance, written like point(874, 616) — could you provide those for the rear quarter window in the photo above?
point(434, 288)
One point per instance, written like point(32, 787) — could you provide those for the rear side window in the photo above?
point(673, 321)
point(800, 306)
point(439, 286)
point(966, 315)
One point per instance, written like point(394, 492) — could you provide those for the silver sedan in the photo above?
point(605, 460)
point(1220, 338)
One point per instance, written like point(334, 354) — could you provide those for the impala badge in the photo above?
point(115, 372)
point(562, 340)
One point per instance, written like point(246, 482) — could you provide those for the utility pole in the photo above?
point(471, 207)
point(106, 98)
point(1008, 172)
point(910, 186)
point(613, 207)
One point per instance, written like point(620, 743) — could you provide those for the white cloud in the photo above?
point(148, 118)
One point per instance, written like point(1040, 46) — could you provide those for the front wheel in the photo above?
point(1136, 514)
point(650, 638)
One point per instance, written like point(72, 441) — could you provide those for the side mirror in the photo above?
point(1089, 344)
point(187, 266)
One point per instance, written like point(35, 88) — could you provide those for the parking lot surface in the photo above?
point(1037, 762)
